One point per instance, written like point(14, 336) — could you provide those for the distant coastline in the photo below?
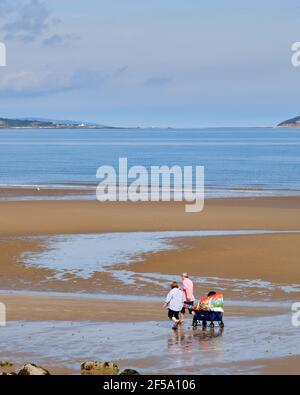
point(40, 123)
point(293, 123)
point(28, 123)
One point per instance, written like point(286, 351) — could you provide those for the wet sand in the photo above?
point(48, 307)
point(280, 366)
point(272, 258)
point(252, 267)
point(41, 192)
point(246, 343)
point(69, 217)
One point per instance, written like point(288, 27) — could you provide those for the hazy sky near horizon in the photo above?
point(151, 63)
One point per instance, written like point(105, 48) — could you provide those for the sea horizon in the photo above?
point(238, 162)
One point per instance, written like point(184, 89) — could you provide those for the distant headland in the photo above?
point(290, 123)
point(40, 123)
point(30, 123)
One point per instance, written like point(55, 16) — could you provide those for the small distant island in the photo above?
point(28, 123)
point(290, 123)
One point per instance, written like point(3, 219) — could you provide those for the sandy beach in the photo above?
point(270, 257)
point(53, 217)
point(138, 153)
point(256, 267)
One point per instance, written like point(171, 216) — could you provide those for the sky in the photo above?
point(191, 63)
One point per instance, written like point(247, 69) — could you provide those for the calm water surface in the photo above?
point(238, 161)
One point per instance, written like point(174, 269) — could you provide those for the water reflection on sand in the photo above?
point(186, 351)
point(80, 256)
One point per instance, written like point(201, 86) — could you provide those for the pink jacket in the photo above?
point(188, 288)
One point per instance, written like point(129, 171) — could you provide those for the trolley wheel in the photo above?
point(221, 324)
point(211, 325)
point(204, 324)
point(195, 323)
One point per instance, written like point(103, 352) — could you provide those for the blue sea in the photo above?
point(237, 161)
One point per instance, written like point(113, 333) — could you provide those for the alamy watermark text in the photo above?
point(296, 54)
point(159, 183)
point(2, 54)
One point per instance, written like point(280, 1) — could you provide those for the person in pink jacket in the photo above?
point(188, 291)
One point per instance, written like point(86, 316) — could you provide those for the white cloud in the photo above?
point(29, 20)
point(28, 82)
point(35, 82)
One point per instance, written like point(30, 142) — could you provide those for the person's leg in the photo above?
point(182, 315)
point(190, 308)
point(174, 316)
point(175, 319)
